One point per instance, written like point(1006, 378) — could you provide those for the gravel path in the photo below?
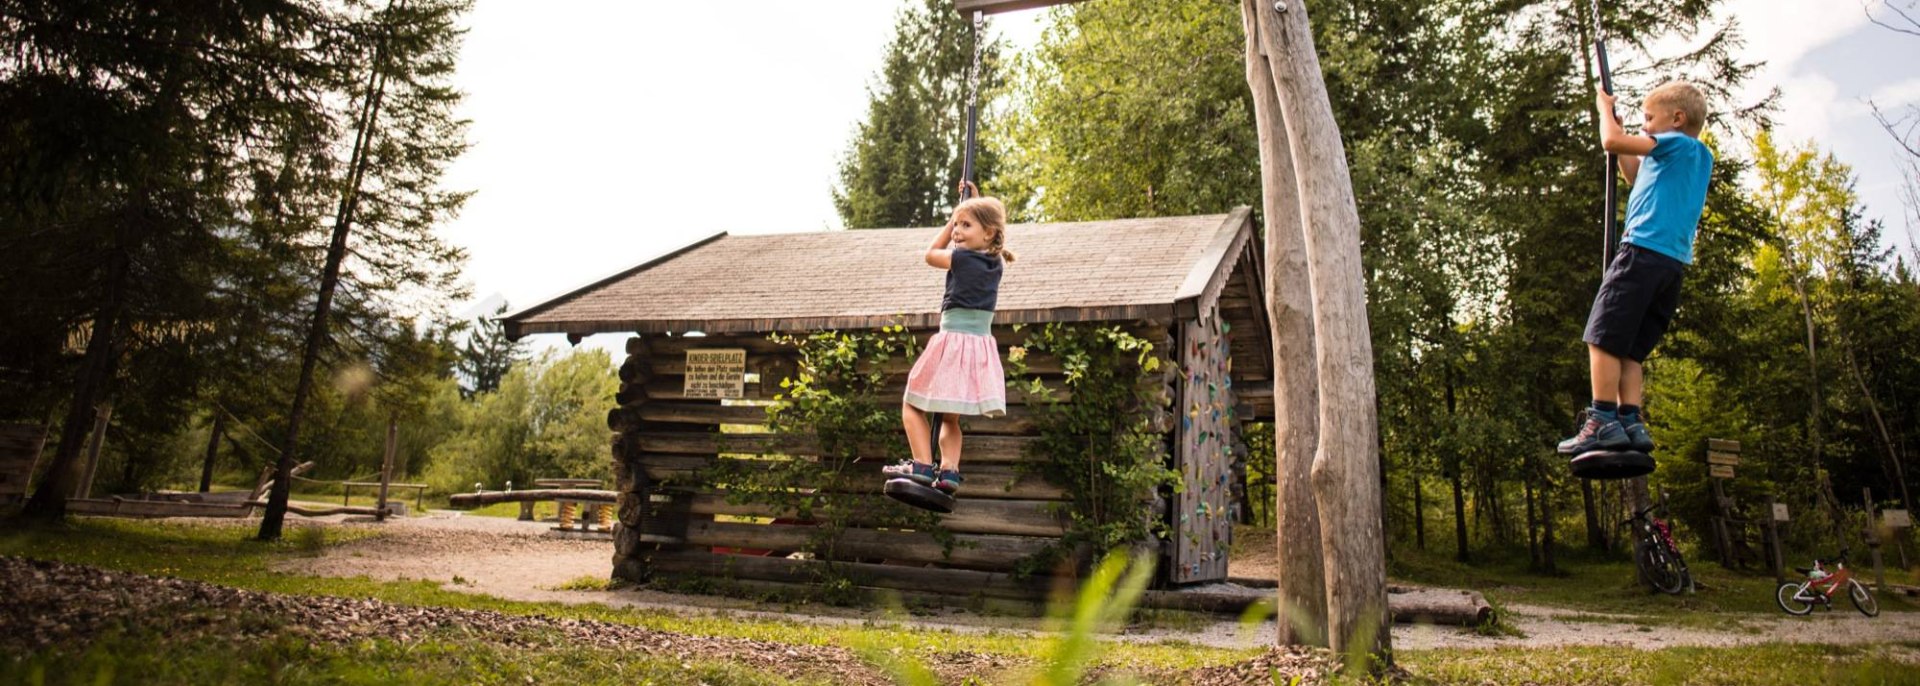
point(520, 561)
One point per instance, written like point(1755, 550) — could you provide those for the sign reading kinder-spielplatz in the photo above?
point(716, 373)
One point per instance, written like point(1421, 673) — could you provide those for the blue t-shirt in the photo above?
point(973, 281)
point(1669, 194)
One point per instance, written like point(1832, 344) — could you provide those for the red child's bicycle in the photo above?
point(1798, 597)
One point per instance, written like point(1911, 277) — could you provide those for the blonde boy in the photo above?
point(1668, 167)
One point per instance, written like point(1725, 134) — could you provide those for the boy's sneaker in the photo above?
point(948, 482)
point(1637, 436)
point(919, 473)
point(1596, 434)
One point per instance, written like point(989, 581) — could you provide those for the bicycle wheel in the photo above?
point(1658, 569)
point(1790, 597)
point(1862, 600)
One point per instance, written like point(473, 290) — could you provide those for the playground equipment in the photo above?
point(1607, 465)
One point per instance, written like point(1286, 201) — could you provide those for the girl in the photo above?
point(959, 373)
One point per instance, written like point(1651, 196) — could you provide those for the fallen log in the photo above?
point(1409, 605)
point(538, 494)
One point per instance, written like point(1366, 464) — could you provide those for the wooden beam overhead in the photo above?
point(968, 7)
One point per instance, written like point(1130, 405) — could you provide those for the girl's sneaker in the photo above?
point(1637, 436)
point(917, 472)
point(948, 482)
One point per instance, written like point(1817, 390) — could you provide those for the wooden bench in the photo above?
point(419, 492)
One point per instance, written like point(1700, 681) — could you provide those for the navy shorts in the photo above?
point(1636, 302)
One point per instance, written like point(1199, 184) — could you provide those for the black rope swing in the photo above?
point(1608, 465)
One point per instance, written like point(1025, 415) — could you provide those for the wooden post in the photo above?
point(1872, 535)
point(101, 418)
point(1346, 468)
point(1722, 540)
point(1773, 544)
point(213, 449)
point(386, 467)
point(1303, 586)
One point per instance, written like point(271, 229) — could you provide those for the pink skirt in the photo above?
point(959, 373)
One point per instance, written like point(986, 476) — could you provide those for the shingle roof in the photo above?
point(1119, 269)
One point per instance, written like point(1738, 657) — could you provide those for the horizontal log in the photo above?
point(673, 387)
point(977, 450)
point(677, 365)
point(968, 7)
point(485, 498)
point(959, 583)
point(1015, 422)
point(116, 507)
point(970, 515)
point(971, 551)
point(1005, 607)
point(998, 482)
point(1157, 333)
point(1422, 606)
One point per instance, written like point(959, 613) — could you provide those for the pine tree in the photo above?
point(903, 164)
point(488, 354)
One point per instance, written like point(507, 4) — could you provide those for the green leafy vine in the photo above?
point(1100, 444)
point(827, 415)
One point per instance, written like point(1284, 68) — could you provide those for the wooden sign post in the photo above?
point(1776, 513)
point(1722, 457)
point(1872, 535)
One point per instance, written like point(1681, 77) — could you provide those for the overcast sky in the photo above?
point(605, 133)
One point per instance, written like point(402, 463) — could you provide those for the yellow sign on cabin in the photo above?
point(716, 373)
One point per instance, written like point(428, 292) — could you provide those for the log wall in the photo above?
point(673, 526)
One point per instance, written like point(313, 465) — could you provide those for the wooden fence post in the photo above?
point(102, 417)
point(1773, 544)
point(386, 468)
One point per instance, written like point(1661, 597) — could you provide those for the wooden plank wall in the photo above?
point(20, 446)
point(1205, 441)
point(669, 528)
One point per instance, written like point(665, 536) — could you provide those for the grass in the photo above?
point(1786, 665)
point(1606, 584)
point(224, 554)
point(134, 659)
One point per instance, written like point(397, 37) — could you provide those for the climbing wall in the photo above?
point(1204, 449)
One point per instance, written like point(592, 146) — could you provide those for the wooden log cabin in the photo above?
point(1191, 285)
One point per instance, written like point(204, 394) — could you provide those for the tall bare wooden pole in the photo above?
point(1303, 586)
point(1346, 467)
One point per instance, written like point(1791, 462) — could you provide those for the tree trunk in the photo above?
point(97, 368)
point(274, 519)
point(1345, 468)
point(213, 449)
point(1899, 473)
point(1533, 526)
point(1302, 591)
point(1419, 516)
point(1459, 517)
point(1546, 530)
point(1596, 536)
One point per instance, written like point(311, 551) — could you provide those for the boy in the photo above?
point(1641, 288)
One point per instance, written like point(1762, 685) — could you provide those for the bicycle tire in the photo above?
point(1658, 570)
point(1787, 597)
point(1862, 599)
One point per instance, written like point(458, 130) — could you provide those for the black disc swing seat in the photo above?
point(919, 495)
point(1609, 465)
point(924, 497)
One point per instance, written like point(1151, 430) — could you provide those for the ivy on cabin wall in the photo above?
point(1102, 447)
point(826, 415)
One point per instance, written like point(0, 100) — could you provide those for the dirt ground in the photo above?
point(521, 561)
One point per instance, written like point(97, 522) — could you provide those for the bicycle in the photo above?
point(1798, 597)
point(1662, 567)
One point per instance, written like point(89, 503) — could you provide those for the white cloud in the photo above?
point(1784, 31)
